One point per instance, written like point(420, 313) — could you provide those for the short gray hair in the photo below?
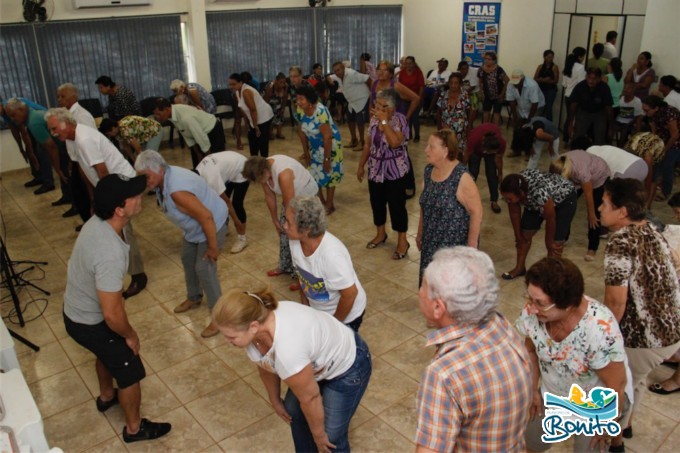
point(465, 280)
point(182, 99)
point(68, 87)
point(150, 160)
point(15, 103)
point(389, 95)
point(310, 215)
point(62, 115)
point(176, 84)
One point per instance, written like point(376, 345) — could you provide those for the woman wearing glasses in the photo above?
point(571, 339)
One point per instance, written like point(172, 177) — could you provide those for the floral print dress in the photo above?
point(455, 117)
point(310, 127)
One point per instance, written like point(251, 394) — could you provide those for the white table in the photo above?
point(8, 355)
point(21, 413)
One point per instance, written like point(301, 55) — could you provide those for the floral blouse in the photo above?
point(592, 345)
point(137, 127)
point(454, 117)
point(385, 163)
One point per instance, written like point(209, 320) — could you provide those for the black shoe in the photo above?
point(70, 213)
point(628, 432)
point(148, 430)
point(43, 189)
point(79, 227)
point(416, 140)
point(103, 406)
point(618, 449)
point(137, 284)
point(33, 182)
point(61, 201)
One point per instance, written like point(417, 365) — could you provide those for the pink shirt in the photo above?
point(587, 167)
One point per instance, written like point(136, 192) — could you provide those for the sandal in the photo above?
point(275, 272)
point(495, 208)
point(372, 245)
point(400, 256)
point(509, 276)
point(353, 143)
point(659, 390)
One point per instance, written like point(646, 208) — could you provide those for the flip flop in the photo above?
point(658, 389)
point(509, 276)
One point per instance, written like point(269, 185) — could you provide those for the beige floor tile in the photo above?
point(382, 294)
point(269, 435)
point(186, 435)
point(170, 348)
point(197, 376)
point(411, 357)
point(670, 444)
point(66, 429)
point(236, 359)
point(407, 312)
point(152, 322)
point(402, 416)
point(50, 360)
point(383, 333)
point(387, 386)
point(649, 430)
point(227, 410)
point(76, 353)
point(112, 445)
point(59, 392)
point(377, 436)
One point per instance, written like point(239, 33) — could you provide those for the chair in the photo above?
point(225, 104)
point(93, 105)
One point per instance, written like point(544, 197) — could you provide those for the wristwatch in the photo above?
point(384, 122)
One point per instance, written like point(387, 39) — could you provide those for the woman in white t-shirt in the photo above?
point(571, 339)
point(312, 352)
point(323, 265)
point(285, 176)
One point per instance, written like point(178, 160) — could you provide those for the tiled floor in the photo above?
point(208, 389)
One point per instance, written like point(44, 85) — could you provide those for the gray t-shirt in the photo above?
point(99, 261)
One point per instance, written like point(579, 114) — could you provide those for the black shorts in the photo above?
point(110, 348)
point(358, 117)
point(564, 214)
point(492, 104)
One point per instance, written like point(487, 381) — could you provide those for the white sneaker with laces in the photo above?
point(239, 245)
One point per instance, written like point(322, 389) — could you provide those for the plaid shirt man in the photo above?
point(476, 392)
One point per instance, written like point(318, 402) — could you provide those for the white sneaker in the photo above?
point(239, 245)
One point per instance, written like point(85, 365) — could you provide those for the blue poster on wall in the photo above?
point(480, 30)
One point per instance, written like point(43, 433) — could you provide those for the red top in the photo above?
point(476, 136)
point(414, 81)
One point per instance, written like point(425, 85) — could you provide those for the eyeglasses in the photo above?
point(537, 303)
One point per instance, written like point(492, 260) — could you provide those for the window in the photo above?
point(142, 53)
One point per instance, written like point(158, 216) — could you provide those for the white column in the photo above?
point(198, 41)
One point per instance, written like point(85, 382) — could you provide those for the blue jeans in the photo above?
point(341, 397)
point(667, 170)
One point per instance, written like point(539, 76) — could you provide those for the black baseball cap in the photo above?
point(112, 190)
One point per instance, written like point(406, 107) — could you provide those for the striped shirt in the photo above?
point(476, 392)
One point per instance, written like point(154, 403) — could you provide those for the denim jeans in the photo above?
point(201, 274)
point(668, 168)
point(341, 397)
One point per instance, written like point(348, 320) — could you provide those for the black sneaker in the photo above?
point(33, 182)
point(148, 430)
point(103, 406)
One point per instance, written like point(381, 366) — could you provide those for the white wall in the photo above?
point(661, 36)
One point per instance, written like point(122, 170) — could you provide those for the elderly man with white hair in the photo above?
point(476, 392)
point(97, 157)
point(67, 97)
point(198, 96)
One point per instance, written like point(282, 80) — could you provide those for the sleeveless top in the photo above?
point(642, 92)
point(264, 110)
point(546, 72)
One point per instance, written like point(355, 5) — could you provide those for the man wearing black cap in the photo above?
point(94, 312)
